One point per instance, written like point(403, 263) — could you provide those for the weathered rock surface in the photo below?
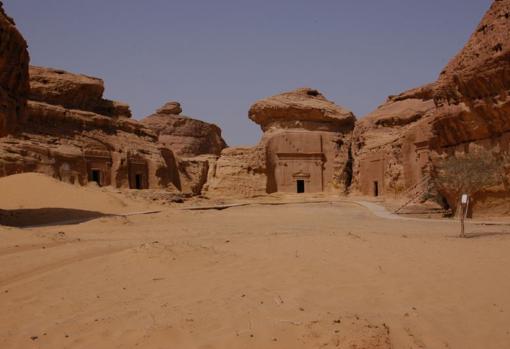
point(238, 172)
point(305, 147)
point(193, 173)
point(14, 84)
point(73, 91)
point(170, 108)
point(72, 133)
point(79, 146)
point(438, 130)
point(472, 123)
point(303, 107)
point(388, 144)
point(185, 136)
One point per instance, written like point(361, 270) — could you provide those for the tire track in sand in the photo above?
point(60, 264)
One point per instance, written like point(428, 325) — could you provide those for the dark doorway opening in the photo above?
point(376, 188)
point(138, 181)
point(300, 186)
point(95, 176)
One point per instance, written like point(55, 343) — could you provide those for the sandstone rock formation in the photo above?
point(14, 74)
point(305, 148)
point(92, 144)
point(302, 108)
point(238, 172)
point(67, 130)
point(73, 91)
point(428, 137)
point(390, 145)
point(185, 136)
point(472, 123)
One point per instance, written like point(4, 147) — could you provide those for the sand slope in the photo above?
point(33, 199)
point(35, 190)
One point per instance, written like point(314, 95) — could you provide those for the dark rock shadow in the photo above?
point(474, 235)
point(21, 218)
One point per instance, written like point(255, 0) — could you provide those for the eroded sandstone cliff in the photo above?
point(435, 137)
point(68, 133)
point(73, 91)
point(14, 84)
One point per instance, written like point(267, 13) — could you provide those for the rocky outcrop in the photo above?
point(193, 173)
point(472, 122)
point(305, 148)
point(238, 172)
point(390, 144)
point(185, 136)
point(436, 137)
point(14, 85)
point(91, 144)
point(73, 91)
point(472, 93)
point(301, 108)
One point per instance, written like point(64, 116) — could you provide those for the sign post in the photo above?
point(464, 204)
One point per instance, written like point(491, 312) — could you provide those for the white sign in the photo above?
point(464, 199)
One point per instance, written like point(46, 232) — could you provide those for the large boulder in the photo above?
point(185, 136)
point(14, 84)
point(303, 107)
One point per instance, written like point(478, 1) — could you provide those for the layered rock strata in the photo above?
point(437, 136)
point(91, 144)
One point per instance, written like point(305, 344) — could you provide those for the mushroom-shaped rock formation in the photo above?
point(305, 148)
point(185, 136)
point(302, 108)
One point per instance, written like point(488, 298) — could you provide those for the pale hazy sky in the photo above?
point(218, 57)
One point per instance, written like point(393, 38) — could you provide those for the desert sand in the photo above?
point(300, 275)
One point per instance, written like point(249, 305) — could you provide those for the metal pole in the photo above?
point(464, 204)
point(462, 234)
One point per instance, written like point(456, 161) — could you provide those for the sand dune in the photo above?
point(34, 199)
point(34, 190)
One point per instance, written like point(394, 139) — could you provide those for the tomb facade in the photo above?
point(305, 148)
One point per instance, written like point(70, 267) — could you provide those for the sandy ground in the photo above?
point(313, 275)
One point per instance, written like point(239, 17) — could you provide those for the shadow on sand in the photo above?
point(22, 218)
point(474, 235)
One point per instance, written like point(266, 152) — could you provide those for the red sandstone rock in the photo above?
point(305, 147)
point(14, 74)
point(170, 108)
point(238, 172)
point(473, 114)
point(183, 135)
point(301, 107)
point(73, 91)
point(464, 115)
point(388, 143)
point(79, 146)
